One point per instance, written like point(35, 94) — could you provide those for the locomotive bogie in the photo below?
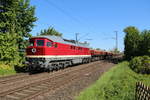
point(55, 63)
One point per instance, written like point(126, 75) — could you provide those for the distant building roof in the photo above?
point(61, 40)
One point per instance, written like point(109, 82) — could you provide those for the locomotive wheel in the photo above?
point(30, 70)
point(49, 69)
point(61, 66)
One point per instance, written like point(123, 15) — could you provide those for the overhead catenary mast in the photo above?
point(116, 39)
point(76, 37)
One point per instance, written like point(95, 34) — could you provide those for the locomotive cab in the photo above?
point(38, 46)
point(35, 52)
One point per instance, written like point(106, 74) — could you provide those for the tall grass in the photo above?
point(116, 84)
point(6, 69)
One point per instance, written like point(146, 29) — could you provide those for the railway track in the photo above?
point(7, 79)
point(50, 84)
point(20, 76)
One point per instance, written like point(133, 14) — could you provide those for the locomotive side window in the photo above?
point(40, 43)
point(55, 45)
point(49, 44)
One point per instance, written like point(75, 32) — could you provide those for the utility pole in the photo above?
point(77, 37)
point(116, 39)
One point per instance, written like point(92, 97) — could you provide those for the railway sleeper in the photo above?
point(8, 97)
point(20, 94)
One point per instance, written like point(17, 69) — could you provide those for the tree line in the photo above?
point(137, 43)
point(137, 49)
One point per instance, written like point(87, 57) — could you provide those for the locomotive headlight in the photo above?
point(33, 50)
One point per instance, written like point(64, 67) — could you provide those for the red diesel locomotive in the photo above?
point(53, 52)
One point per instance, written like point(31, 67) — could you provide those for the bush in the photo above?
point(140, 64)
point(6, 69)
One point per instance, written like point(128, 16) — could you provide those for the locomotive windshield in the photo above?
point(40, 43)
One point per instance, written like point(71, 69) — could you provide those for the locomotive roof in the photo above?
point(61, 40)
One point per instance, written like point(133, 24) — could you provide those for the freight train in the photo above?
point(53, 52)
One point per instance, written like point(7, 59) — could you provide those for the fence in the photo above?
point(142, 92)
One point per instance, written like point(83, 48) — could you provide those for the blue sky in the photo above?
point(92, 19)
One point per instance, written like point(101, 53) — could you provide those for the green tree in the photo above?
point(131, 42)
point(8, 45)
point(9, 50)
point(20, 14)
point(50, 31)
point(7, 16)
point(16, 21)
point(98, 49)
point(144, 47)
point(25, 18)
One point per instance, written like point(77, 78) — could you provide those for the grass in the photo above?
point(116, 84)
point(6, 70)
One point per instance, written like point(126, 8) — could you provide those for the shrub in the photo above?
point(6, 69)
point(140, 64)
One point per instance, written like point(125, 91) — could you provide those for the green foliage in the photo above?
point(136, 43)
point(144, 47)
point(50, 31)
point(131, 42)
point(116, 84)
point(25, 18)
point(9, 49)
point(98, 49)
point(16, 21)
point(140, 64)
point(6, 69)
point(7, 16)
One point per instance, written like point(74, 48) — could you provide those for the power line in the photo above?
point(114, 38)
point(63, 11)
point(68, 14)
point(84, 36)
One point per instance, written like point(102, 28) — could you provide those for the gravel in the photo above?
point(70, 91)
